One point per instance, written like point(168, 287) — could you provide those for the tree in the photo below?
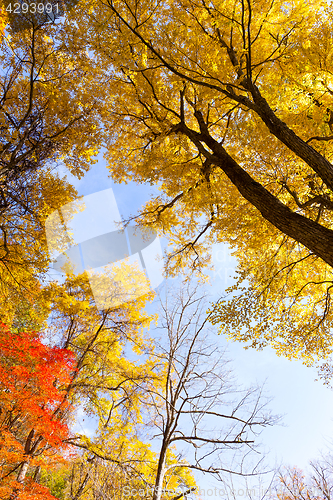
point(202, 420)
point(3, 21)
point(227, 106)
point(290, 483)
point(171, 389)
point(109, 382)
point(46, 120)
point(34, 411)
point(87, 366)
point(316, 484)
point(98, 340)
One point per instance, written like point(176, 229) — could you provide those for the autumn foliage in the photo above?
point(227, 107)
point(33, 410)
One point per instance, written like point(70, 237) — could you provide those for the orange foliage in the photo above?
point(33, 410)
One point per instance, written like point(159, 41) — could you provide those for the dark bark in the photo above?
point(288, 137)
point(161, 468)
point(317, 238)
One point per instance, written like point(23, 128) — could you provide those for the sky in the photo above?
point(306, 405)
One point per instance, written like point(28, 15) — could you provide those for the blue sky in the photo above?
point(307, 405)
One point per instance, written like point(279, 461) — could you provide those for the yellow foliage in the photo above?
point(197, 89)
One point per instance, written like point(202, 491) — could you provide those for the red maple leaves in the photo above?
point(34, 411)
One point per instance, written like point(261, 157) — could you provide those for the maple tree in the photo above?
point(34, 411)
point(227, 107)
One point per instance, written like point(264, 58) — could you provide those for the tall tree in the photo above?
point(114, 371)
point(198, 409)
point(176, 387)
point(46, 120)
point(227, 106)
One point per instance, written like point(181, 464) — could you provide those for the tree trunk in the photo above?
point(23, 472)
point(317, 238)
point(160, 472)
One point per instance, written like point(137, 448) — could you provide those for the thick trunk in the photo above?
point(288, 137)
point(284, 134)
point(317, 238)
point(20, 479)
